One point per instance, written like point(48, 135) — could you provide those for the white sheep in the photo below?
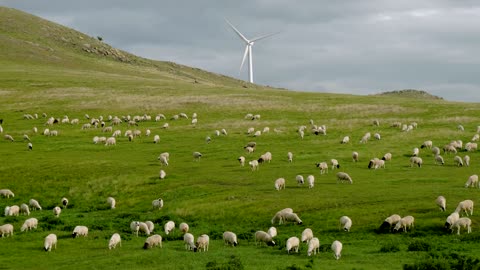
point(257, 133)
point(449, 149)
point(272, 231)
point(279, 217)
point(376, 163)
point(50, 241)
point(435, 151)
point(169, 227)
point(9, 138)
point(290, 157)
point(439, 160)
point(390, 222)
point(415, 152)
point(24, 209)
point(241, 159)
point(475, 138)
point(230, 238)
point(365, 137)
point(183, 227)
point(156, 138)
point(311, 181)
point(6, 193)
point(197, 156)
point(162, 174)
point(188, 239)
point(217, 132)
point(254, 165)
point(387, 157)
point(261, 236)
point(345, 223)
point(203, 242)
point(470, 147)
point(337, 249)
point(463, 222)
point(164, 158)
point(80, 231)
point(250, 130)
point(334, 163)
point(208, 139)
point(472, 181)
point(416, 161)
point(301, 133)
point(56, 211)
point(153, 241)
point(6, 230)
point(466, 205)
point(299, 179)
point(377, 136)
point(451, 219)
point(64, 202)
point(466, 160)
point(224, 132)
point(249, 149)
point(292, 217)
point(267, 157)
point(345, 140)
point(143, 227)
point(426, 144)
point(135, 227)
point(150, 226)
point(111, 202)
point(292, 244)
point(34, 205)
point(405, 223)
point(13, 210)
point(313, 246)
point(355, 156)
point(307, 235)
point(114, 241)
point(248, 116)
point(110, 141)
point(458, 161)
point(342, 176)
point(441, 202)
point(323, 167)
point(29, 224)
point(280, 183)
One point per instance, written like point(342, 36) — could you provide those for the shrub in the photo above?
point(233, 263)
point(419, 245)
point(445, 261)
point(389, 247)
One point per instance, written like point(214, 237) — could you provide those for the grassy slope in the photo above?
point(39, 72)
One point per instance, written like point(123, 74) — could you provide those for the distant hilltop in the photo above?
point(410, 93)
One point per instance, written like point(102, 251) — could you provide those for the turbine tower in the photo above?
point(248, 49)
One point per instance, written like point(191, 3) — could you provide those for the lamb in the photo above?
point(162, 174)
point(267, 157)
point(279, 217)
point(390, 222)
point(169, 227)
point(334, 163)
point(203, 242)
point(111, 202)
point(310, 181)
point(405, 223)
point(280, 183)
point(290, 157)
point(24, 209)
point(355, 156)
point(292, 244)
point(34, 205)
point(307, 235)
point(110, 141)
point(6, 193)
point(189, 242)
point(463, 222)
point(415, 152)
point(466, 205)
point(50, 241)
point(264, 237)
point(150, 225)
point(313, 246)
point(337, 249)
point(387, 157)
point(345, 223)
point(345, 140)
point(230, 238)
point(451, 219)
point(6, 230)
point(241, 159)
point(472, 181)
point(299, 179)
point(441, 202)
point(183, 227)
point(439, 160)
point(114, 241)
point(458, 161)
point(153, 241)
point(254, 165)
point(135, 227)
point(466, 160)
point(323, 167)
point(292, 217)
point(416, 161)
point(342, 176)
point(157, 203)
point(29, 224)
point(426, 144)
point(80, 231)
point(13, 210)
point(272, 231)
point(64, 202)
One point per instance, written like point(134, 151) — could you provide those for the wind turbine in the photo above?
point(248, 49)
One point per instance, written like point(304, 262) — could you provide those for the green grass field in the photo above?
point(45, 68)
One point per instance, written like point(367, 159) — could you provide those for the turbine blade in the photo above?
point(262, 37)
point(243, 59)
point(238, 32)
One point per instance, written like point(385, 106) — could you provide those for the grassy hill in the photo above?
point(47, 68)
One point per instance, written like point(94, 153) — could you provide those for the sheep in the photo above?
point(405, 223)
point(26, 138)
point(251, 144)
point(337, 249)
point(307, 235)
point(460, 127)
point(13, 210)
point(301, 133)
point(9, 138)
point(111, 202)
point(230, 238)
point(313, 246)
point(323, 167)
point(110, 141)
point(114, 241)
point(451, 219)
point(426, 144)
point(279, 217)
point(159, 117)
point(256, 117)
point(208, 139)
point(150, 226)
point(466, 160)
point(365, 137)
point(475, 137)
point(46, 132)
point(56, 211)
point(342, 176)
point(80, 231)
point(415, 152)
point(449, 149)
point(153, 241)
point(376, 163)
point(157, 203)
point(6, 230)
point(334, 163)
point(224, 132)
point(387, 157)
point(156, 138)
point(261, 236)
point(292, 217)
point(458, 161)
point(292, 244)
point(466, 205)
point(355, 156)
point(217, 132)
point(439, 160)
point(162, 174)
point(442, 203)
point(24, 209)
point(165, 126)
point(472, 181)
point(50, 241)
point(250, 130)
point(135, 227)
point(64, 202)
point(299, 179)
point(241, 159)
point(29, 224)
point(6, 193)
point(254, 165)
point(249, 149)
point(183, 227)
point(290, 157)
point(197, 156)
point(435, 151)
point(345, 223)
point(463, 222)
point(376, 123)
point(248, 116)
point(377, 136)
point(169, 227)
point(416, 161)
point(280, 183)
point(272, 231)
point(164, 157)
point(194, 122)
point(203, 242)
point(470, 147)
point(310, 181)
point(189, 242)
point(345, 140)
point(34, 205)
point(267, 157)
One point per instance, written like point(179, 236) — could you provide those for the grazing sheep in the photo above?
point(376, 123)
point(257, 133)
point(169, 227)
point(197, 156)
point(34, 205)
point(460, 127)
point(241, 159)
point(6, 230)
point(377, 136)
point(156, 139)
point(426, 144)
point(217, 132)
point(111, 202)
point(365, 137)
point(334, 163)
point(264, 237)
point(162, 174)
point(376, 163)
point(466, 160)
point(390, 222)
point(301, 133)
point(9, 138)
point(337, 249)
point(435, 151)
point(249, 149)
point(251, 144)
point(64, 202)
point(449, 149)
point(6, 193)
point(26, 138)
point(153, 241)
point(254, 165)
point(157, 203)
point(355, 156)
point(463, 222)
point(280, 183)
point(13, 210)
point(248, 116)
point(164, 157)
point(323, 167)
point(267, 157)
point(224, 132)
point(475, 137)
point(208, 139)
point(466, 205)
point(310, 181)
point(165, 126)
point(439, 160)
point(135, 227)
point(202, 242)
point(405, 223)
point(150, 226)
point(292, 244)
point(307, 235)
point(114, 241)
point(451, 219)
point(279, 217)
point(416, 161)
point(272, 231)
point(183, 227)
point(292, 217)
point(313, 246)
point(50, 241)
point(290, 157)
point(80, 231)
point(345, 223)
point(56, 211)
point(342, 176)
point(415, 152)
point(194, 122)
point(441, 202)
point(345, 140)
point(458, 161)
point(24, 209)
point(188, 239)
point(299, 179)
point(110, 141)
point(470, 147)
point(472, 181)
point(230, 238)
point(29, 224)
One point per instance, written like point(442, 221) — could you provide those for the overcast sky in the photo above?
point(348, 46)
